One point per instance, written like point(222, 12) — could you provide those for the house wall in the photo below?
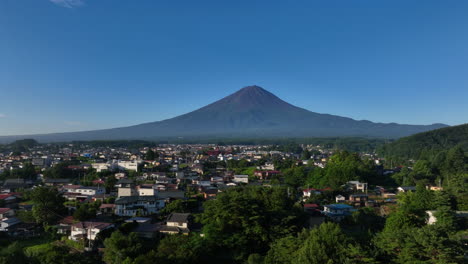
point(125, 191)
point(177, 224)
point(146, 192)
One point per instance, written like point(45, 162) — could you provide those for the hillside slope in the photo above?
point(431, 141)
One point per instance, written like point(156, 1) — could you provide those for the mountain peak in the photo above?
point(252, 96)
point(252, 90)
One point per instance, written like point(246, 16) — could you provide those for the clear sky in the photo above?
point(70, 65)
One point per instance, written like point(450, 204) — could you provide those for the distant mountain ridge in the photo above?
point(431, 141)
point(250, 112)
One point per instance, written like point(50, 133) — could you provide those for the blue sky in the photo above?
point(70, 65)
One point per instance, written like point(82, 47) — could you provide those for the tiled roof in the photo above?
point(178, 217)
point(97, 225)
point(4, 210)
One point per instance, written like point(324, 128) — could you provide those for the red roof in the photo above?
point(4, 196)
point(103, 206)
point(4, 210)
point(98, 181)
point(310, 205)
point(67, 220)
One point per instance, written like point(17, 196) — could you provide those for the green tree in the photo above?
point(13, 254)
point(244, 220)
point(325, 244)
point(150, 155)
point(85, 212)
point(179, 249)
point(48, 204)
point(120, 248)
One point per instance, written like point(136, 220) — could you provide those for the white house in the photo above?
point(358, 186)
point(144, 190)
point(101, 166)
point(406, 189)
point(126, 191)
point(128, 165)
point(87, 230)
point(241, 179)
point(91, 191)
point(340, 198)
point(177, 223)
point(7, 223)
point(142, 205)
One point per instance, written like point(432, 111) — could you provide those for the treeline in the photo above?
point(354, 144)
point(424, 145)
point(131, 144)
point(19, 146)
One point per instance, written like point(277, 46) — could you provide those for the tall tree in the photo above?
point(48, 204)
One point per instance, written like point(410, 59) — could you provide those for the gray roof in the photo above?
point(60, 180)
point(178, 217)
point(134, 199)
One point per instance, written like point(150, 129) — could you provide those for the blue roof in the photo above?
point(339, 206)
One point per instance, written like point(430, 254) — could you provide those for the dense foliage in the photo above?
point(427, 144)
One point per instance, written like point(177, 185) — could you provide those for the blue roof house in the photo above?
point(337, 211)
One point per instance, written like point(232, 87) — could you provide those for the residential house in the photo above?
point(309, 191)
point(209, 193)
point(88, 230)
point(311, 208)
point(340, 198)
point(107, 209)
point(337, 212)
point(9, 199)
point(12, 185)
point(146, 190)
point(264, 175)
point(56, 182)
point(177, 223)
point(138, 205)
point(241, 179)
point(406, 189)
point(358, 186)
point(6, 213)
point(358, 199)
point(7, 223)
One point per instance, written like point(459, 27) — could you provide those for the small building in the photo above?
point(311, 208)
point(358, 186)
point(241, 179)
point(336, 212)
point(209, 193)
point(264, 175)
point(88, 230)
point(56, 182)
point(405, 189)
point(146, 190)
point(107, 209)
point(138, 205)
point(358, 199)
point(12, 185)
point(177, 223)
point(7, 223)
point(6, 213)
point(309, 191)
point(340, 198)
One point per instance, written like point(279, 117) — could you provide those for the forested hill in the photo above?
point(427, 143)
